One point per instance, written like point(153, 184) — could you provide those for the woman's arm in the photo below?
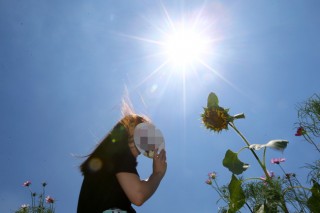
point(138, 191)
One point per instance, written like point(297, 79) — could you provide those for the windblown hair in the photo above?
point(115, 142)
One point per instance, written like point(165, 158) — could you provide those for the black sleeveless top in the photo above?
point(100, 188)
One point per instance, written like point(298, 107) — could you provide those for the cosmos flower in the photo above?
point(277, 160)
point(209, 182)
point(300, 131)
point(212, 175)
point(271, 175)
point(49, 199)
point(27, 183)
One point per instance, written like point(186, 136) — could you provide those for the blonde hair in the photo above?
point(129, 117)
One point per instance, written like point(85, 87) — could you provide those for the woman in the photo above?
point(111, 180)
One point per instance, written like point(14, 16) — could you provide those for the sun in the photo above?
point(185, 46)
point(181, 50)
point(183, 43)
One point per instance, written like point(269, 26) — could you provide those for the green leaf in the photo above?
point(213, 100)
point(237, 197)
point(314, 201)
point(232, 162)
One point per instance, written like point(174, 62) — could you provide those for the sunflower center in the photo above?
point(215, 118)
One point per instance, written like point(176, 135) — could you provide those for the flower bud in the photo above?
point(279, 145)
point(239, 116)
point(209, 182)
point(27, 183)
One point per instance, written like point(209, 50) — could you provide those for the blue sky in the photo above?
point(65, 65)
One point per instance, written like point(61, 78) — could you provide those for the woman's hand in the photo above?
point(160, 163)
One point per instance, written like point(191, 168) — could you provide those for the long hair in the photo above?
point(115, 142)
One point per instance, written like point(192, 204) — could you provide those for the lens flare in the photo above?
point(95, 164)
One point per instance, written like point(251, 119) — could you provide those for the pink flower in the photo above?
point(49, 199)
point(277, 160)
point(271, 175)
point(212, 175)
point(209, 182)
point(300, 131)
point(27, 183)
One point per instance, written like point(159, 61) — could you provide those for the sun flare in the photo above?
point(181, 52)
point(185, 47)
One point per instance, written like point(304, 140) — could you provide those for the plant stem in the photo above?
point(307, 138)
point(264, 155)
point(248, 207)
point(217, 189)
point(253, 152)
point(243, 148)
point(32, 198)
point(268, 178)
point(293, 188)
point(42, 197)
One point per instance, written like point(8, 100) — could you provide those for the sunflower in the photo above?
point(216, 118)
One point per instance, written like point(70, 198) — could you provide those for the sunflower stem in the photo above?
point(253, 152)
point(268, 178)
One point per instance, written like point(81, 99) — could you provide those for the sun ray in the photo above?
point(221, 77)
point(168, 18)
point(151, 41)
point(152, 73)
point(157, 28)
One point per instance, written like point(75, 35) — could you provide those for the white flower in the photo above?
point(279, 145)
point(24, 206)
